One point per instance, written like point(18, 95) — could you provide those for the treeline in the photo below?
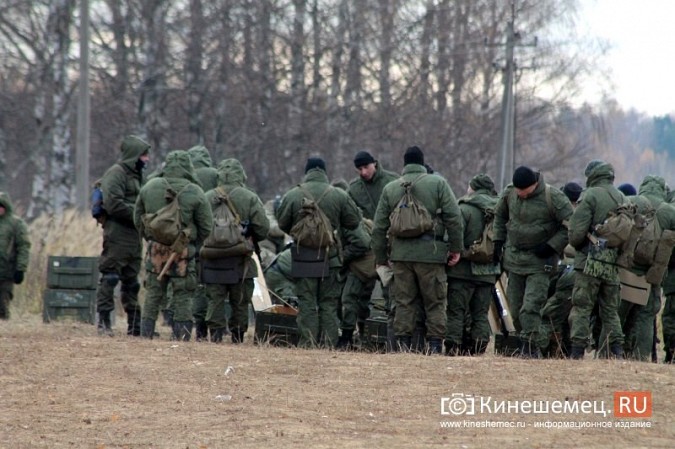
point(271, 82)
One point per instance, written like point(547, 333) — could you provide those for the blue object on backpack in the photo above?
point(97, 210)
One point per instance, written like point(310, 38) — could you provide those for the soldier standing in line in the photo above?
point(14, 252)
point(177, 175)
point(419, 262)
point(597, 201)
point(249, 208)
point(470, 283)
point(530, 223)
point(317, 270)
point(121, 257)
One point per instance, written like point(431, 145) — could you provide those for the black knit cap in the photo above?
point(315, 162)
point(524, 177)
point(572, 190)
point(363, 158)
point(413, 155)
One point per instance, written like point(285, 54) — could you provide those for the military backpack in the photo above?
point(165, 225)
point(482, 250)
point(410, 218)
point(313, 229)
point(227, 233)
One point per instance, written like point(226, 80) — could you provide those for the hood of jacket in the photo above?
point(230, 171)
point(179, 165)
point(200, 157)
point(132, 148)
point(6, 202)
point(654, 186)
point(601, 173)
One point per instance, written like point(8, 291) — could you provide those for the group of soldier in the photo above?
point(433, 291)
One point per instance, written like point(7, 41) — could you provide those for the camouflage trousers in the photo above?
point(554, 329)
point(638, 326)
point(6, 295)
point(317, 319)
point(183, 289)
point(527, 294)
point(668, 323)
point(468, 299)
point(420, 285)
point(119, 264)
point(239, 297)
point(355, 301)
point(587, 292)
point(200, 303)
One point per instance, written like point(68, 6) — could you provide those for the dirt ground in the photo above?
point(62, 386)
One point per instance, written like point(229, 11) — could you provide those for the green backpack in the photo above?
point(410, 218)
point(482, 250)
point(165, 225)
point(313, 229)
point(227, 233)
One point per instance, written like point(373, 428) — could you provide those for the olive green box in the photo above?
point(69, 304)
point(72, 272)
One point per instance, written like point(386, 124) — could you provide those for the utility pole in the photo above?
point(83, 106)
point(506, 155)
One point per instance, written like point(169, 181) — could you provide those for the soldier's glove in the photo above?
point(18, 277)
point(543, 251)
point(497, 255)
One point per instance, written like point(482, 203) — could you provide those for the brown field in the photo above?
point(62, 386)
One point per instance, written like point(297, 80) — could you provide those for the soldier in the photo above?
point(470, 284)
point(14, 252)
point(367, 188)
point(419, 262)
point(531, 218)
point(554, 333)
point(598, 200)
point(279, 280)
point(638, 321)
point(121, 257)
point(317, 286)
point(207, 176)
point(239, 290)
point(178, 175)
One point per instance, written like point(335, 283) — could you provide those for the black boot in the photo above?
point(577, 352)
point(167, 317)
point(182, 330)
point(529, 350)
point(104, 325)
point(404, 343)
point(202, 331)
point(435, 346)
point(361, 327)
point(147, 328)
point(669, 355)
point(237, 336)
point(134, 322)
point(452, 349)
point(217, 334)
point(479, 347)
point(616, 351)
point(346, 340)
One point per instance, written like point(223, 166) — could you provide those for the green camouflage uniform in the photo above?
point(599, 198)
point(14, 253)
point(526, 224)
point(356, 291)
point(196, 216)
point(419, 263)
point(638, 321)
point(278, 278)
point(250, 210)
point(207, 176)
point(318, 298)
point(366, 194)
point(470, 284)
point(121, 256)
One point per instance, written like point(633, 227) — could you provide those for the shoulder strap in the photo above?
point(311, 197)
point(549, 201)
point(225, 196)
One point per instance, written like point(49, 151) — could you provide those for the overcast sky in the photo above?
point(642, 60)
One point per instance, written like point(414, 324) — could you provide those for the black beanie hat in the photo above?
point(627, 189)
point(572, 190)
point(413, 155)
point(524, 177)
point(315, 162)
point(363, 158)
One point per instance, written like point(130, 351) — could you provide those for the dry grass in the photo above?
point(61, 386)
